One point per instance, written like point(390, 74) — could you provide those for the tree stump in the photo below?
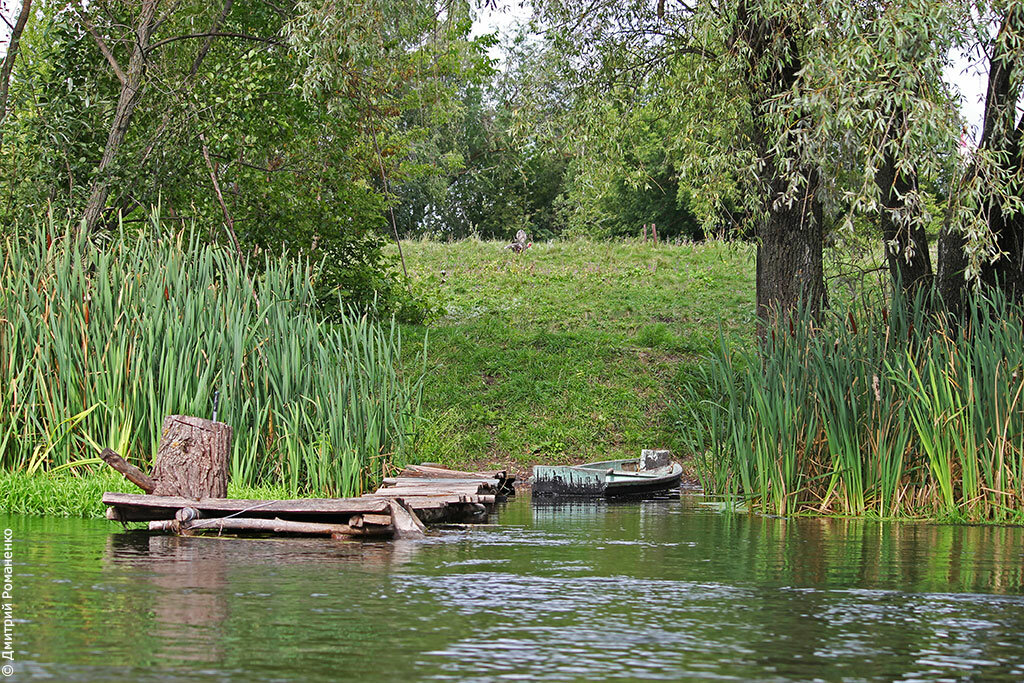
point(192, 459)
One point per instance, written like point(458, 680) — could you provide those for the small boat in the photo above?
point(652, 472)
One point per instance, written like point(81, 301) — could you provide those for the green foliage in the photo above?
point(873, 412)
point(98, 346)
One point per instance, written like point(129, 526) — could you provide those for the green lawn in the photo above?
point(570, 351)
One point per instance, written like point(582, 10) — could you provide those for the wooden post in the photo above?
point(192, 460)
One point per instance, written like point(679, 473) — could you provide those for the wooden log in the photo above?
point(130, 471)
point(279, 526)
point(192, 460)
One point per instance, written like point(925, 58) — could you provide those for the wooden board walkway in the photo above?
point(398, 509)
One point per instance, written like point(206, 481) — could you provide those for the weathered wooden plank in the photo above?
point(407, 524)
point(389, 482)
point(442, 473)
point(164, 507)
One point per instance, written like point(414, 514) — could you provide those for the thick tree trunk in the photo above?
point(952, 264)
point(131, 90)
point(789, 262)
point(8, 63)
point(192, 460)
point(790, 237)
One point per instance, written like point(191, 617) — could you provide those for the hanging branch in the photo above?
point(391, 208)
point(229, 222)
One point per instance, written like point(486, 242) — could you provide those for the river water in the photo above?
point(654, 590)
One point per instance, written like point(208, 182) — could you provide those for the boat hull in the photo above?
point(606, 480)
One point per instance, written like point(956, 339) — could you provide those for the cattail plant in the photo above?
point(867, 411)
point(97, 345)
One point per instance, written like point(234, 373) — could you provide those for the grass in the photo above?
point(97, 346)
point(68, 495)
point(571, 351)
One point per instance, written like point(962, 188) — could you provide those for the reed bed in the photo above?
point(875, 412)
point(98, 345)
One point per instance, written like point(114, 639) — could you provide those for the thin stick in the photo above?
point(391, 208)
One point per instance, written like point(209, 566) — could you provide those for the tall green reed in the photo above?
point(871, 411)
point(98, 345)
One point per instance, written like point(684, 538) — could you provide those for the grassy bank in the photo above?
point(572, 350)
point(65, 494)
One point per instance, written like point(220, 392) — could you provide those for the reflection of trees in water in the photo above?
point(191, 584)
point(810, 552)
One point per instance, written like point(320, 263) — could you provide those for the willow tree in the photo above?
point(718, 70)
point(825, 113)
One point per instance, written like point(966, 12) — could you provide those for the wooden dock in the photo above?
point(398, 509)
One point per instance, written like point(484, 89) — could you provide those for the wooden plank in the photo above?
point(441, 472)
point(137, 506)
point(407, 524)
point(426, 481)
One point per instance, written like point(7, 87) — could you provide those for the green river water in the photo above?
point(656, 590)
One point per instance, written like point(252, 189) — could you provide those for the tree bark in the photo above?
point(131, 91)
point(8, 63)
point(950, 278)
point(192, 460)
point(790, 235)
point(789, 261)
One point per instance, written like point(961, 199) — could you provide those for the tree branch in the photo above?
point(12, 54)
point(107, 54)
point(212, 34)
point(228, 222)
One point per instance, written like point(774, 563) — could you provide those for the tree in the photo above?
point(754, 52)
point(10, 55)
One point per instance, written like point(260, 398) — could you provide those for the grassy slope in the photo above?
point(571, 351)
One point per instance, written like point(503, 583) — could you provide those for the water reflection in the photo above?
point(658, 590)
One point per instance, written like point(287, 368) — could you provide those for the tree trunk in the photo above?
point(1002, 136)
point(789, 262)
point(131, 90)
point(906, 244)
point(952, 264)
point(192, 460)
point(790, 244)
point(8, 63)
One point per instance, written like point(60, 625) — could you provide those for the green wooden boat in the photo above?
point(652, 472)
